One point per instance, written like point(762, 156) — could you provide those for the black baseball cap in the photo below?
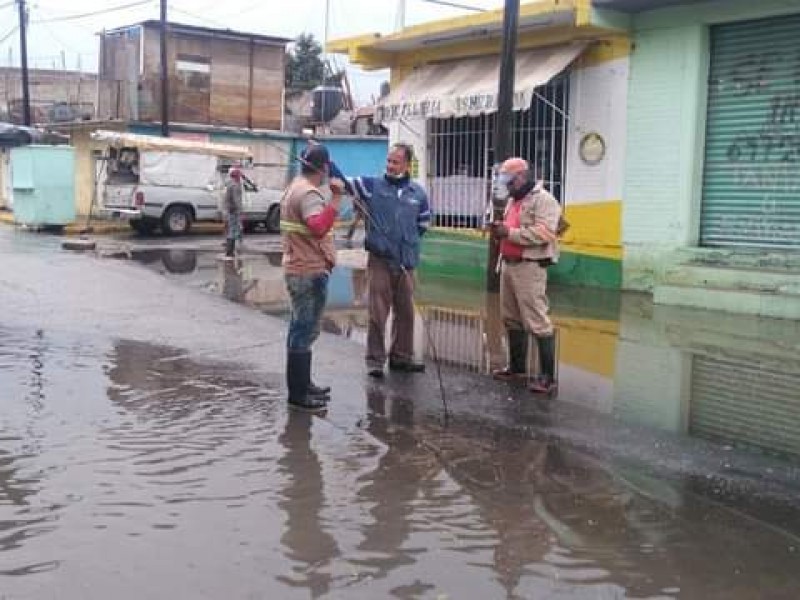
point(316, 157)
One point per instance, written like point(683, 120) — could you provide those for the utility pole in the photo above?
point(503, 134)
point(325, 64)
point(23, 49)
point(164, 73)
point(400, 19)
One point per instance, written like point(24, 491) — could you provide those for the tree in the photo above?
point(305, 69)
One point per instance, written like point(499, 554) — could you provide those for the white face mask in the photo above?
point(500, 186)
point(504, 179)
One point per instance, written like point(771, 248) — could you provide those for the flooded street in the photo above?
point(146, 450)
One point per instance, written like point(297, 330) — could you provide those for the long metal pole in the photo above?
point(164, 73)
point(23, 49)
point(503, 134)
point(325, 63)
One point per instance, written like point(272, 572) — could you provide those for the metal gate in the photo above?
point(751, 187)
point(461, 155)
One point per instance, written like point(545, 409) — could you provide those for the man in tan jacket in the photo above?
point(308, 259)
point(528, 246)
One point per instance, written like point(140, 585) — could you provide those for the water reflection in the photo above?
point(389, 490)
point(128, 448)
point(306, 538)
point(555, 520)
point(703, 375)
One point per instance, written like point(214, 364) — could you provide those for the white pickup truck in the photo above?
point(156, 183)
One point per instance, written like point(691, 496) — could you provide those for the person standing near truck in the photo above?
point(233, 211)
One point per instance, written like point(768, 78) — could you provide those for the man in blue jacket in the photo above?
point(397, 214)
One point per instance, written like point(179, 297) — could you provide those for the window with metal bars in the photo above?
point(461, 155)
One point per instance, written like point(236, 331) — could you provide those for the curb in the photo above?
point(109, 227)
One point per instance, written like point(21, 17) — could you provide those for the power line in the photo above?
point(7, 4)
point(95, 13)
point(198, 17)
point(9, 34)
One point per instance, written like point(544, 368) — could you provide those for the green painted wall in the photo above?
point(667, 99)
point(666, 124)
point(463, 258)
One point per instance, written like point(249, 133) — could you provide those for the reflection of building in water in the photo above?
point(264, 284)
point(711, 375)
point(456, 337)
point(746, 400)
point(535, 499)
point(547, 517)
point(474, 339)
point(265, 288)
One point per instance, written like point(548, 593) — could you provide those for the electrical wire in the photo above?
point(111, 9)
point(9, 34)
point(198, 17)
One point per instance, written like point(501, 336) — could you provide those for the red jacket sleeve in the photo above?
point(321, 223)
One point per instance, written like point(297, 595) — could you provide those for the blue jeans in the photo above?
point(307, 297)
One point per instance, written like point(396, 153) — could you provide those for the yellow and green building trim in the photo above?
point(591, 251)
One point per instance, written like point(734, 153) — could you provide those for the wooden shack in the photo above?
point(216, 76)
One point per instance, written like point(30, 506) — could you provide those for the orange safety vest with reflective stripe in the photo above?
point(303, 253)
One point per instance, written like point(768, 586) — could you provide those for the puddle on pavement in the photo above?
point(130, 471)
point(725, 378)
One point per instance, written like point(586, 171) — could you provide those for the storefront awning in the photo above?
point(469, 87)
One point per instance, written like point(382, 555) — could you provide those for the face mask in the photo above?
point(504, 180)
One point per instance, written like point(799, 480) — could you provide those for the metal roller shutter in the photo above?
point(751, 187)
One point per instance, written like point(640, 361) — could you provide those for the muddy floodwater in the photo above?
point(130, 470)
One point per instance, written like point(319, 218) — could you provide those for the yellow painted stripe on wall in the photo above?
point(588, 344)
point(595, 229)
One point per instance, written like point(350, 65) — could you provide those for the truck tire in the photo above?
point(274, 220)
point(143, 226)
point(177, 220)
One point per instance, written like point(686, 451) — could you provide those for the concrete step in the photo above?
point(781, 281)
point(741, 258)
point(732, 300)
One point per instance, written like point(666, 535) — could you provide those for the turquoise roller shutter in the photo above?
point(751, 185)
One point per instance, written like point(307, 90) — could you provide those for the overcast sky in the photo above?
point(58, 26)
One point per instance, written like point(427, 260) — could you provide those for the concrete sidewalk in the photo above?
point(99, 226)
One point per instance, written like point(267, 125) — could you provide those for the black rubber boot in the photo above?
point(518, 351)
point(298, 377)
point(316, 390)
point(545, 383)
point(517, 356)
